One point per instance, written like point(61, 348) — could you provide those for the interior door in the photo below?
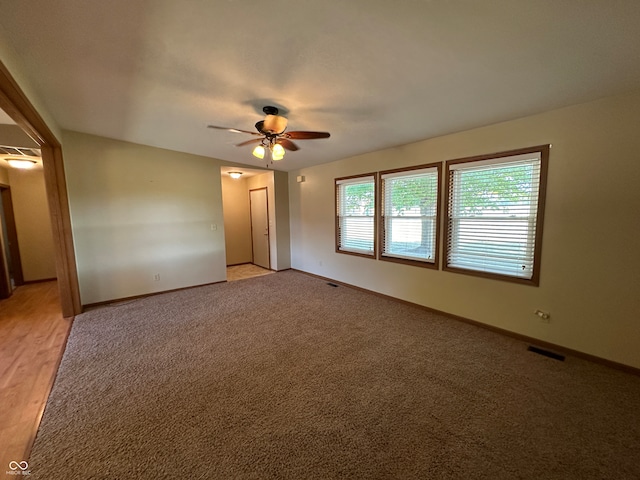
point(5, 285)
point(260, 227)
point(10, 232)
point(10, 264)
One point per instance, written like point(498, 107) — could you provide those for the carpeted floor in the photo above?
point(283, 376)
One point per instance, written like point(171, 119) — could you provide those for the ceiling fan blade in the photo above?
point(288, 144)
point(306, 135)
point(234, 130)
point(249, 142)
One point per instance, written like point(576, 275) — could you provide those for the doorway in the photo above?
point(259, 208)
point(17, 105)
point(10, 261)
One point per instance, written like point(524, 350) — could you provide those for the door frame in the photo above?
point(5, 280)
point(16, 104)
point(12, 234)
point(266, 197)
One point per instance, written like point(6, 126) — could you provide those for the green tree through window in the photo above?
point(409, 214)
point(355, 215)
point(495, 207)
point(359, 199)
point(498, 190)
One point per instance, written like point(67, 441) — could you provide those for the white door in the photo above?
point(260, 227)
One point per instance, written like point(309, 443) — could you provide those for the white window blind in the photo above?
point(492, 215)
point(409, 214)
point(355, 210)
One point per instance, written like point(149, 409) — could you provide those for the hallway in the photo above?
point(32, 338)
point(246, 270)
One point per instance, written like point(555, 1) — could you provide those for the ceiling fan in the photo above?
point(274, 138)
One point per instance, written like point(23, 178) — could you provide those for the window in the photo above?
point(409, 215)
point(495, 208)
point(355, 215)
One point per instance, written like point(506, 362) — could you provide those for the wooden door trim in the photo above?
point(12, 233)
point(16, 104)
point(5, 288)
point(266, 196)
point(5, 285)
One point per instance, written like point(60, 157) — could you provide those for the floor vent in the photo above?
point(546, 353)
point(332, 284)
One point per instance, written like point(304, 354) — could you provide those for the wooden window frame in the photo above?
point(543, 150)
point(381, 218)
point(374, 254)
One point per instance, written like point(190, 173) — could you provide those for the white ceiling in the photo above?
point(373, 73)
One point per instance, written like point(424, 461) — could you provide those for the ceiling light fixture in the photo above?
point(23, 163)
point(258, 152)
point(277, 152)
point(235, 175)
point(276, 139)
point(274, 123)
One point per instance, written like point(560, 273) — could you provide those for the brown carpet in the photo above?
point(285, 377)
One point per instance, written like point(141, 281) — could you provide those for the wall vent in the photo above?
point(546, 353)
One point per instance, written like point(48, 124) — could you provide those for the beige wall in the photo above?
point(237, 220)
point(138, 212)
point(590, 275)
point(33, 223)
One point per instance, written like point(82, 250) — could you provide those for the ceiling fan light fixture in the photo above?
point(274, 124)
point(274, 137)
point(258, 152)
point(22, 163)
point(278, 152)
point(235, 175)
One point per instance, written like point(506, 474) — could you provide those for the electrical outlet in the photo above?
point(544, 316)
point(156, 277)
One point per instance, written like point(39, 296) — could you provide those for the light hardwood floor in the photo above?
point(33, 334)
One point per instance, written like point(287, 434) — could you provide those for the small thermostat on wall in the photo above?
point(300, 178)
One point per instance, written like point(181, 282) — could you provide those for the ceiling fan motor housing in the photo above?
point(274, 124)
point(268, 110)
